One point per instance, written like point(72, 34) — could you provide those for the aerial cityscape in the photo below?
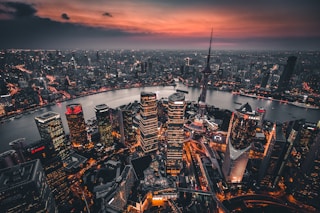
point(119, 107)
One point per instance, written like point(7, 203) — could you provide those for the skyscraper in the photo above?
point(128, 122)
point(287, 74)
point(77, 126)
point(50, 128)
point(176, 108)
point(205, 76)
point(149, 122)
point(23, 188)
point(53, 168)
point(235, 163)
point(104, 116)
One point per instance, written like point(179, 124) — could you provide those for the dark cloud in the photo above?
point(107, 14)
point(18, 9)
point(65, 16)
point(36, 32)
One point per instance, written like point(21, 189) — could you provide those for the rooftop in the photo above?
point(177, 96)
point(74, 161)
point(47, 116)
point(101, 107)
point(18, 175)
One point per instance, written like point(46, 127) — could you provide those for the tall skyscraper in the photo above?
point(149, 122)
point(243, 126)
point(176, 108)
point(205, 76)
point(312, 155)
point(104, 116)
point(235, 163)
point(265, 78)
point(23, 188)
point(53, 168)
point(287, 74)
point(241, 134)
point(50, 128)
point(128, 123)
point(77, 126)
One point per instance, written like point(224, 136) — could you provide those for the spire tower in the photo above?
point(205, 75)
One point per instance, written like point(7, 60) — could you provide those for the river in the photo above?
point(25, 127)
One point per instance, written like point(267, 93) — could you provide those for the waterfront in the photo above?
point(25, 126)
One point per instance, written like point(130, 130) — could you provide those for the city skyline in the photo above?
point(159, 25)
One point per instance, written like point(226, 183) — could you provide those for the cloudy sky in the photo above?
point(173, 24)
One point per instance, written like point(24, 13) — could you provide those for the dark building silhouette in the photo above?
point(8, 159)
point(312, 155)
point(287, 74)
point(56, 176)
point(205, 77)
point(23, 188)
point(265, 78)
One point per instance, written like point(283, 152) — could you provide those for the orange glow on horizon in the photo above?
point(187, 22)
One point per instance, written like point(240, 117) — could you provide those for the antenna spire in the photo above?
point(209, 54)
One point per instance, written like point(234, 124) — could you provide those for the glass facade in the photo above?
point(176, 108)
point(50, 128)
point(53, 169)
point(104, 120)
point(149, 122)
point(77, 126)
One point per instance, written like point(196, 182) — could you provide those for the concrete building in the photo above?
point(23, 188)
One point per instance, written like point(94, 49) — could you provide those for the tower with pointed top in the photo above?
point(205, 76)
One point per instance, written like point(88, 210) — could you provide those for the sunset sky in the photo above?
point(165, 24)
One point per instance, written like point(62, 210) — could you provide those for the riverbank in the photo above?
point(18, 113)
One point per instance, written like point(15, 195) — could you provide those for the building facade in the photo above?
point(149, 122)
point(104, 121)
point(50, 128)
point(53, 168)
point(175, 131)
point(284, 81)
point(77, 126)
point(235, 163)
point(23, 188)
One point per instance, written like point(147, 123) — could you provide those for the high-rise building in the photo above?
point(265, 78)
point(148, 122)
point(53, 168)
point(176, 108)
point(244, 124)
point(50, 128)
point(235, 163)
point(77, 126)
point(284, 81)
point(23, 188)
point(205, 77)
point(104, 116)
point(128, 123)
point(312, 155)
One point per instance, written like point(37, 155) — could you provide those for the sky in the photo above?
point(160, 24)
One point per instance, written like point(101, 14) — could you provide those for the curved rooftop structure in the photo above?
point(176, 97)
